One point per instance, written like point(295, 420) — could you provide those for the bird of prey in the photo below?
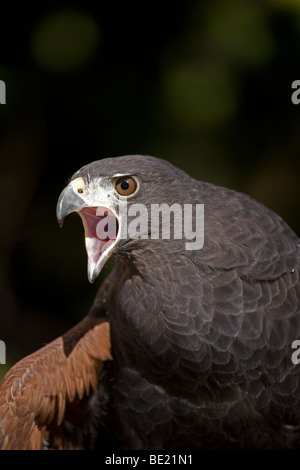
point(183, 348)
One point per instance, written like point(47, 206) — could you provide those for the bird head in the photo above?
point(103, 194)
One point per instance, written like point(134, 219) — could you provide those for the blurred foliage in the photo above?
point(289, 5)
point(240, 30)
point(65, 40)
point(203, 84)
point(199, 94)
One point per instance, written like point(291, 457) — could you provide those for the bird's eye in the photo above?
point(126, 186)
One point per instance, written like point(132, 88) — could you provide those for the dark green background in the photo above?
point(203, 84)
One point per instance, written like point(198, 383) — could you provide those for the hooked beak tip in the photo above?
point(68, 202)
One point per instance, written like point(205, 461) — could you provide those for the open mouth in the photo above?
point(101, 234)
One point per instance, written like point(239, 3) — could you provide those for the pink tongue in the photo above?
point(94, 247)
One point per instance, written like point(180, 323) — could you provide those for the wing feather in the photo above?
point(35, 392)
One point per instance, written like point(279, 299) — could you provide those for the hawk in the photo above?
point(182, 348)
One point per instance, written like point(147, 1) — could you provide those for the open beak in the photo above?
point(101, 226)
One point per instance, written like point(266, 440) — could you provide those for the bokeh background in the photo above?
point(203, 84)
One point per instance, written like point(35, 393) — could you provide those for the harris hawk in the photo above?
point(182, 348)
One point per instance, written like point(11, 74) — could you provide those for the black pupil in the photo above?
point(124, 185)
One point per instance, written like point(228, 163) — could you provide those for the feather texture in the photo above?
point(36, 390)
